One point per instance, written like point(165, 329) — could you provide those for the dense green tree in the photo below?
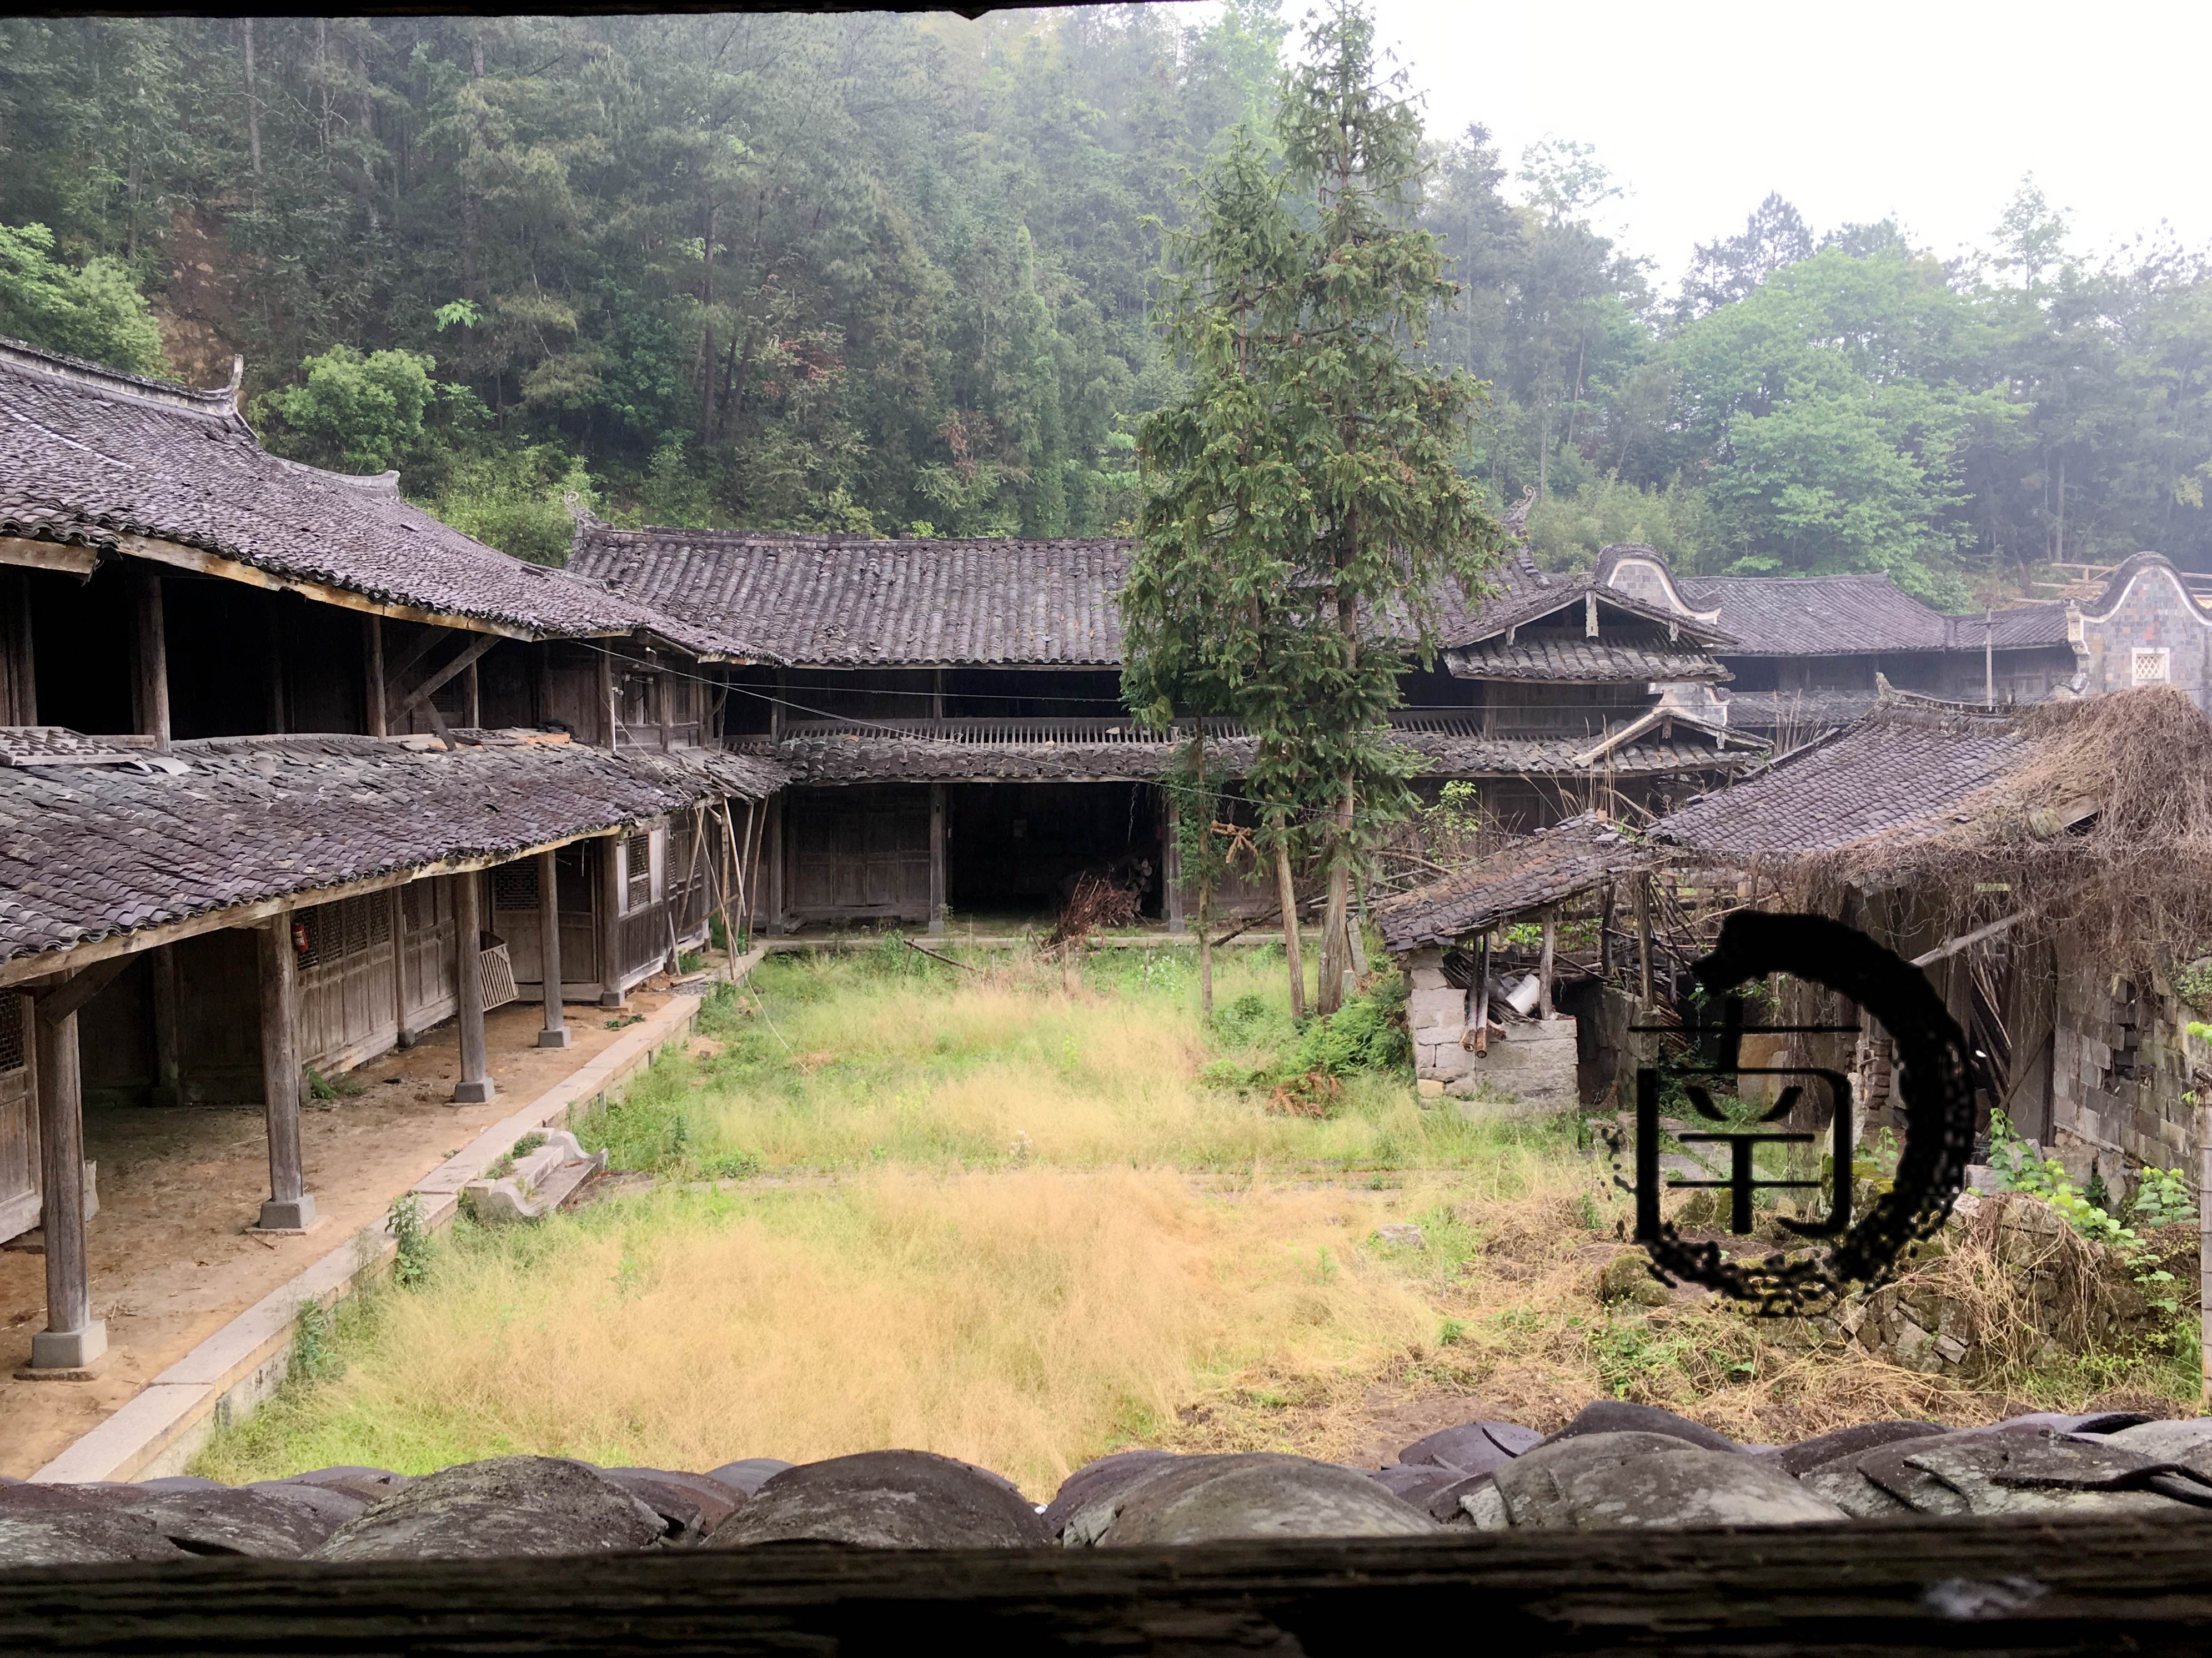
point(94, 312)
point(1307, 507)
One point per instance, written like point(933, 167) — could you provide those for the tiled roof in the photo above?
point(861, 757)
point(1570, 858)
point(2020, 627)
point(1819, 614)
point(88, 851)
point(853, 603)
point(1768, 710)
point(87, 456)
point(1571, 659)
point(1897, 775)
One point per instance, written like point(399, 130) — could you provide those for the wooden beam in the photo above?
point(1953, 946)
point(465, 659)
point(2132, 1583)
point(73, 1339)
point(177, 555)
point(288, 1209)
point(31, 554)
point(556, 1033)
point(47, 962)
point(475, 1085)
point(406, 662)
point(151, 658)
point(1482, 996)
point(66, 999)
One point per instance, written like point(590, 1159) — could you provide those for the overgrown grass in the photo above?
point(1025, 1320)
point(1028, 1214)
point(841, 1063)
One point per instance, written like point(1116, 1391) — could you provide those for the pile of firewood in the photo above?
point(1098, 904)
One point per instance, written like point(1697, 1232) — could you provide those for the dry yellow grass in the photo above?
point(1163, 1262)
point(1025, 1320)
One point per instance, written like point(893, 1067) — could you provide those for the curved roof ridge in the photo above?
point(2123, 576)
point(221, 401)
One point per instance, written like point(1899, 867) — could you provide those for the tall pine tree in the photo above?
point(1307, 519)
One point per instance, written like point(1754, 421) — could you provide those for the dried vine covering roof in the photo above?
point(850, 602)
point(1559, 863)
point(88, 852)
point(2096, 814)
point(88, 456)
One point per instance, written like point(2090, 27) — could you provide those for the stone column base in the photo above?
point(474, 1093)
point(55, 1353)
point(563, 1037)
point(287, 1214)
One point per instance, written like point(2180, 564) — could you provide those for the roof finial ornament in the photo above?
point(1514, 521)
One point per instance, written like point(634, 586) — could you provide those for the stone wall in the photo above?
point(2121, 1069)
point(2154, 614)
point(1532, 1068)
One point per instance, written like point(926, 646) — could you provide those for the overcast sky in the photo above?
point(1930, 111)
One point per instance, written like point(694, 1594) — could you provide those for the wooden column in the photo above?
point(152, 699)
point(22, 684)
point(1170, 867)
point(73, 1338)
point(1544, 963)
point(557, 1033)
point(289, 1209)
point(1605, 935)
point(606, 680)
point(272, 649)
point(937, 860)
point(168, 1071)
point(475, 1085)
point(1482, 998)
point(472, 699)
point(774, 884)
point(611, 901)
point(1644, 936)
point(373, 653)
point(398, 898)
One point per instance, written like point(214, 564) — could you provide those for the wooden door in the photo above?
point(859, 854)
point(514, 917)
point(426, 951)
point(219, 1018)
point(347, 1011)
point(19, 1118)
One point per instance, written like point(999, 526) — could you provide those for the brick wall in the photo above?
point(2154, 614)
point(2121, 1066)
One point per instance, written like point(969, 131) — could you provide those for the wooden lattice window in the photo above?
point(679, 857)
point(351, 926)
point(13, 1056)
point(637, 858)
point(515, 886)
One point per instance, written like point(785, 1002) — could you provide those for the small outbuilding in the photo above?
point(1483, 953)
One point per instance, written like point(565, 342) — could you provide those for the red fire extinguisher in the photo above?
point(300, 937)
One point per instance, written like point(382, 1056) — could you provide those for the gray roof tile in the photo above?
point(90, 850)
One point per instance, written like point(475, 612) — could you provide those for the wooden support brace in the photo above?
point(461, 663)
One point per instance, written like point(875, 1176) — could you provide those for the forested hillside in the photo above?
point(890, 275)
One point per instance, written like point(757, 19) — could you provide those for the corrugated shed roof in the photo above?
point(1897, 774)
point(88, 455)
point(91, 851)
point(1570, 858)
